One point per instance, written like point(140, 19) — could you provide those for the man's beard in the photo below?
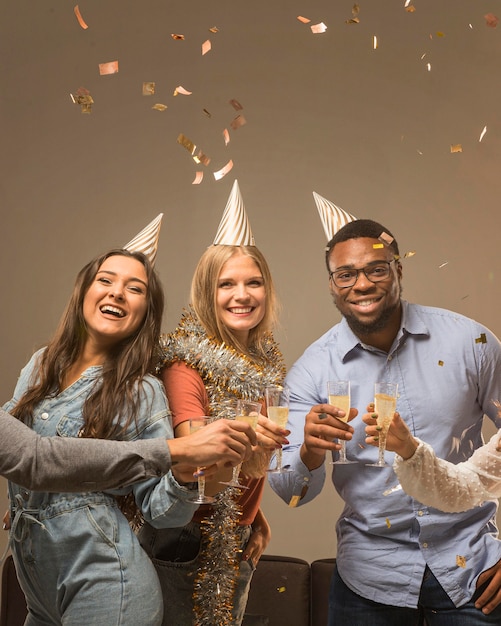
point(362, 329)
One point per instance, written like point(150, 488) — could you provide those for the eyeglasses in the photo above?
point(348, 277)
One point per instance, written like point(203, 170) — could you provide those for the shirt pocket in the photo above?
point(70, 426)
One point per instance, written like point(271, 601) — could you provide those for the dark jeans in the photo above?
point(434, 608)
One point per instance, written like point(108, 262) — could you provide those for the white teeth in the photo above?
point(113, 310)
point(366, 303)
point(242, 310)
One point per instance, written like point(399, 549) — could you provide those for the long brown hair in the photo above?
point(125, 365)
point(204, 297)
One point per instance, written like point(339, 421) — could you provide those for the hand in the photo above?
point(270, 435)
point(187, 473)
point(398, 439)
point(258, 541)
point(321, 427)
point(226, 442)
point(491, 596)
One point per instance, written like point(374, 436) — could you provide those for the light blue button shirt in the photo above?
point(448, 370)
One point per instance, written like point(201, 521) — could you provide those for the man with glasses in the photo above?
point(398, 562)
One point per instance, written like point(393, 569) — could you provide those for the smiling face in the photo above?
point(372, 310)
point(240, 296)
point(115, 304)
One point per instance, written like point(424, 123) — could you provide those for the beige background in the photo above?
point(369, 129)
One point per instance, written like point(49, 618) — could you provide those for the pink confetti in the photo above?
point(238, 121)
point(206, 46)
point(318, 28)
point(182, 91)
point(224, 170)
point(236, 104)
point(305, 20)
point(491, 20)
point(108, 68)
point(198, 178)
point(226, 136)
point(79, 17)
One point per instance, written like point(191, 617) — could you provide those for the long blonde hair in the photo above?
point(204, 287)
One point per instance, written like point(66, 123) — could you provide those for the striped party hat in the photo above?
point(234, 228)
point(147, 240)
point(333, 217)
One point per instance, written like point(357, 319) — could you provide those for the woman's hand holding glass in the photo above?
point(196, 423)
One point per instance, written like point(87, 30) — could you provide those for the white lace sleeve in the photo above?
point(449, 487)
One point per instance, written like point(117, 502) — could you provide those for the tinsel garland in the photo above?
point(227, 374)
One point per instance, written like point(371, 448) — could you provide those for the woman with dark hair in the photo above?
point(77, 558)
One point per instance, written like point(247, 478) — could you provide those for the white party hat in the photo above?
point(333, 217)
point(234, 228)
point(147, 240)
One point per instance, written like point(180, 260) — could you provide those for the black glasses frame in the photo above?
point(332, 275)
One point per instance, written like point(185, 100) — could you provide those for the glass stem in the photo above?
point(279, 459)
point(201, 486)
point(342, 452)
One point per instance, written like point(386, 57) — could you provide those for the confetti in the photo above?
point(305, 20)
point(281, 589)
point(482, 133)
point(460, 560)
point(214, 29)
point(159, 107)
point(377, 246)
point(407, 2)
point(186, 143)
point(108, 68)
point(181, 90)
point(177, 37)
point(207, 112)
point(84, 99)
point(428, 67)
point(491, 20)
point(236, 105)
point(410, 9)
point(238, 122)
point(481, 339)
point(385, 238)
point(202, 158)
point(223, 171)
point(354, 19)
point(409, 254)
point(226, 136)
point(148, 89)
point(439, 33)
point(441, 363)
point(443, 265)
point(318, 28)
point(374, 42)
point(79, 17)
point(206, 46)
point(391, 490)
point(293, 502)
point(388, 523)
point(456, 147)
point(198, 178)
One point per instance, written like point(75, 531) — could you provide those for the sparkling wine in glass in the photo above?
point(277, 407)
point(195, 424)
point(338, 392)
point(385, 404)
point(246, 411)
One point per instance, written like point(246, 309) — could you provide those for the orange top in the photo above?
point(188, 398)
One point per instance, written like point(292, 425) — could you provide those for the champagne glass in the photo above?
point(385, 404)
point(246, 411)
point(277, 407)
point(338, 392)
point(195, 424)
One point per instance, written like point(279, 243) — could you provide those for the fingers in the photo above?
point(270, 435)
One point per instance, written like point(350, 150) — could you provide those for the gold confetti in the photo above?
point(236, 105)
point(410, 9)
point(159, 107)
point(354, 11)
point(305, 20)
point(428, 66)
point(440, 33)
point(441, 363)
point(79, 17)
point(491, 20)
point(374, 42)
point(238, 122)
point(456, 147)
point(376, 246)
point(281, 589)
point(482, 134)
point(226, 136)
point(148, 89)
point(481, 339)
point(443, 265)
point(177, 37)
point(388, 523)
point(224, 170)
point(181, 90)
point(293, 502)
point(108, 68)
point(84, 99)
point(318, 28)
point(186, 143)
point(409, 254)
point(460, 560)
point(206, 46)
point(198, 178)
point(214, 29)
point(202, 158)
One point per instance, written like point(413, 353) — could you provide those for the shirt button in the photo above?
point(420, 513)
point(25, 494)
point(425, 545)
point(44, 416)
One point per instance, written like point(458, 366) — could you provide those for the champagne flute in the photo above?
point(195, 424)
point(338, 392)
point(277, 407)
point(385, 404)
point(246, 411)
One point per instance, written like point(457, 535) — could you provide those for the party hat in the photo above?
point(234, 228)
point(333, 217)
point(147, 240)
